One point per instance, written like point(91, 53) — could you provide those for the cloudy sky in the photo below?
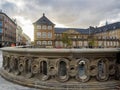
point(63, 13)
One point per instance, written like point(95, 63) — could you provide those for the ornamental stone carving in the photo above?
point(66, 66)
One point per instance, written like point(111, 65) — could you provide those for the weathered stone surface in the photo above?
point(68, 69)
point(6, 85)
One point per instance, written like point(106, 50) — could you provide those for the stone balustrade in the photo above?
point(68, 67)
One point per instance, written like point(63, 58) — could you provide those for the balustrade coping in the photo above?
point(61, 50)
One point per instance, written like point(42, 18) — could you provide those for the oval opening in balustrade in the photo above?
point(82, 70)
point(16, 64)
point(27, 66)
point(62, 71)
point(8, 62)
point(5, 62)
point(102, 70)
point(43, 67)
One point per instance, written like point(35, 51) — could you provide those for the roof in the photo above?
point(61, 30)
point(44, 20)
point(92, 30)
point(108, 27)
point(8, 17)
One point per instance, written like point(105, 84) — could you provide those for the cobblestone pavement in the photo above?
point(6, 85)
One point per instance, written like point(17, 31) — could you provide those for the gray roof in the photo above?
point(61, 30)
point(109, 27)
point(43, 21)
point(92, 30)
point(13, 21)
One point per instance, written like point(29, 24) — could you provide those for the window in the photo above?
point(0, 23)
point(74, 44)
point(44, 27)
point(100, 43)
point(49, 35)
point(56, 44)
point(85, 43)
point(44, 42)
point(38, 26)
point(38, 42)
point(49, 27)
point(80, 43)
point(0, 17)
point(0, 30)
point(61, 44)
point(38, 34)
point(43, 34)
point(49, 42)
point(79, 36)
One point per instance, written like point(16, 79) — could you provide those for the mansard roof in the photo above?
point(61, 30)
point(91, 30)
point(109, 27)
point(43, 21)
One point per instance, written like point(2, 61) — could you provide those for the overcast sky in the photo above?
point(63, 13)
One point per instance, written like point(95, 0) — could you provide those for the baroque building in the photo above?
point(46, 34)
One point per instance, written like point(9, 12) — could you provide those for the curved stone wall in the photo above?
point(58, 66)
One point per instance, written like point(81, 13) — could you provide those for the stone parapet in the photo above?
point(62, 68)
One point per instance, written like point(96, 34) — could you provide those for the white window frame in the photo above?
point(49, 34)
point(49, 27)
point(38, 42)
point(44, 35)
point(44, 42)
point(49, 42)
point(38, 26)
point(44, 27)
point(38, 34)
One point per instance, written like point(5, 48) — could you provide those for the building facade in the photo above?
point(19, 35)
point(25, 39)
point(46, 34)
point(7, 30)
